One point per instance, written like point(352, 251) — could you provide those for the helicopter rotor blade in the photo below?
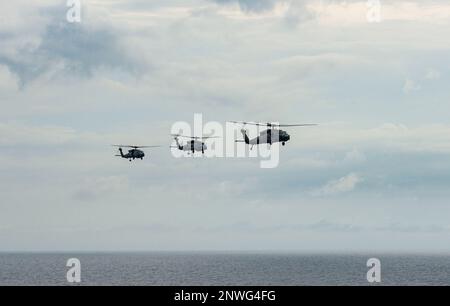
point(251, 123)
point(143, 147)
point(243, 122)
point(288, 125)
point(194, 137)
point(135, 147)
point(268, 124)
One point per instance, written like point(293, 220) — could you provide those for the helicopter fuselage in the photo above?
point(193, 146)
point(269, 136)
point(133, 154)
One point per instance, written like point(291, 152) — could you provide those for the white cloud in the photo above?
point(410, 86)
point(255, 12)
point(350, 13)
point(344, 184)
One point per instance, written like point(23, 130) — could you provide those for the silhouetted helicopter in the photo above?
point(192, 145)
point(134, 153)
point(272, 135)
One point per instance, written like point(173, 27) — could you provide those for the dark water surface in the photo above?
point(221, 269)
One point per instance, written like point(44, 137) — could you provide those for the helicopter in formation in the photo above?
point(272, 135)
point(134, 152)
point(195, 144)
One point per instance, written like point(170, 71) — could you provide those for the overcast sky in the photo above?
point(374, 176)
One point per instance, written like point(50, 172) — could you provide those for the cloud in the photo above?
point(342, 185)
point(292, 12)
point(67, 49)
point(347, 13)
point(432, 74)
point(299, 12)
point(251, 5)
point(94, 188)
point(387, 137)
point(410, 86)
point(13, 134)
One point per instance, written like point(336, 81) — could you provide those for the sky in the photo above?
point(374, 176)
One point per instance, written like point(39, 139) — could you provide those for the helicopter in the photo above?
point(195, 143)
point(134, 153)
point(272, 135)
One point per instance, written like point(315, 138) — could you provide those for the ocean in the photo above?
point(222, 269)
